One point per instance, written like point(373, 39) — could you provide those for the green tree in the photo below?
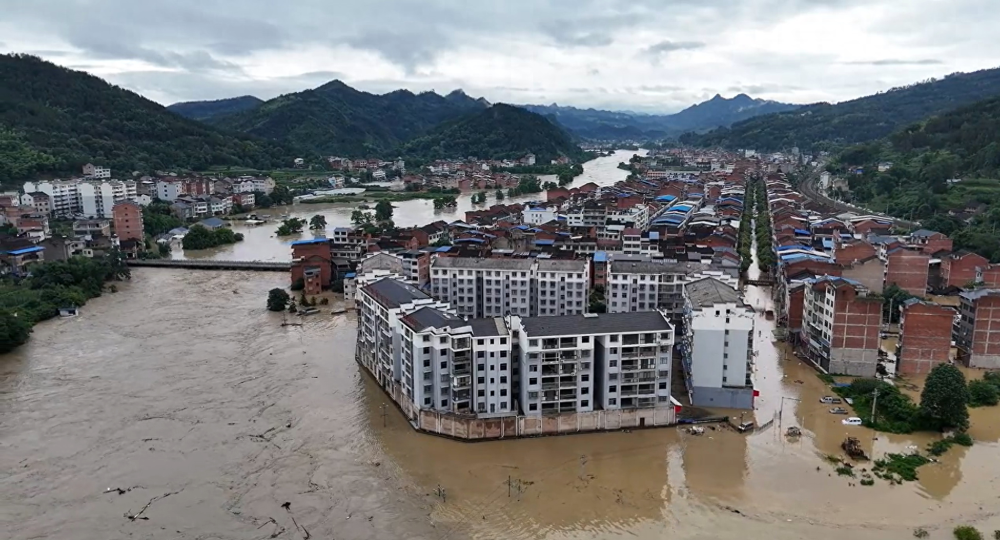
point(119, 269)
point(383, 210)
point(163, 248)
point(291, 226)
point(982, 393)
point(14, 330)
point(361, 218)
point(499, 195)
point(317, 222)
point(198, 237)
point(277, 299)
point(944, 401)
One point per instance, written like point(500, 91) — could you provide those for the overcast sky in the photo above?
point(648, 55)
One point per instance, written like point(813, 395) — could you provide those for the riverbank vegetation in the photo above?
point(291, 226)
point(199, 237)
point(765, 247)
point(745, 241)
point(27, 301)
point(526, 185)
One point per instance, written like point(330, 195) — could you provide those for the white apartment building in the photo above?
point(537, 215)
point(380, 305)
point(244, 184)
point(90, 198)
point(717, 346)
point(563, 287)
point(63, 195)
point(95, 171)
point(265, 184)
point(500, 287)
point(587, 362)
point(169, 190)
point(639, 284)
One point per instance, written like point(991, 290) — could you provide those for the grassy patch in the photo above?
point(896, 412)
point(825, 377)
point(844, 470)
point(903, 466)
point(937, 448)
point(965, 532)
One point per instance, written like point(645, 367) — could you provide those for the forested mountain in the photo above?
point(823, 125)
point(720, 111)
point(203, 110)
point(610, 125)
point(923, 161)
point(501, 131)
point(336, 119)
point(54, 120)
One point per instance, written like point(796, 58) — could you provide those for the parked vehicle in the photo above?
point(745, 427)
point(829, 400)
point(838, 410)
point(851, 421)
point(853, 448)
point(849, 401)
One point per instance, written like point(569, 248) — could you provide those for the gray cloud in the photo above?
point(896, 62)
point(571, 51)
point(658, 51)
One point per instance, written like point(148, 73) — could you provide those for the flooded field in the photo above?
point(261, 244)
point(182, 383)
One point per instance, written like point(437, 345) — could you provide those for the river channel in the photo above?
point(261, 244)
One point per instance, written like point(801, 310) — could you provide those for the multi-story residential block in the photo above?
point(639, 284)
point(582, 363)
point(717, 347)
point(841, 322)
point(169, 189)
point(128, 220)
point(95, 171)
point(380, 306)
point(524, 287)
point(925, 332)
point(962, 268)
point(38, 202)
point(908, 269)
point(977, 336)
point(95, 228)
point(450, 364)
point(63, 195)
point(537, 215)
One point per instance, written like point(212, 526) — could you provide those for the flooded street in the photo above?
point(182, 383)
point(261, 244)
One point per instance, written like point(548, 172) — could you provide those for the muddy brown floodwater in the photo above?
point(182, 383)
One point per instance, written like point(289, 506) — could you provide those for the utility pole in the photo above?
point(781, 410)
point(874, 433)
point(384, 414)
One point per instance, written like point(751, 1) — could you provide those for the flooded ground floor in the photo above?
point(182, 384)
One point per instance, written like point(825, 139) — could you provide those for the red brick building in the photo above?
point(924, 336)
point(312, 259)
point(962, 268)
point(978, 334)
point(908, 269)
point(930, 241)
point(840, 326)
point(128, 221)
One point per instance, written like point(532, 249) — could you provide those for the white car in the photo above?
point(852, 421)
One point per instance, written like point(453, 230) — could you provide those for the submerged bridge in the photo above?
point(761, 282)
point(264, 266)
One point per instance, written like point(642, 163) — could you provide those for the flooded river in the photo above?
point(261, 244)
point(182, 383)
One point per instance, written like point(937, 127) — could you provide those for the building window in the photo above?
point(614, 363)
point(532, 342)
point(533, 407)
point(427, 402)
point(503, 392)
point(614, 339)
point(444, 402)
point(481, 380)
point(585, 377)
point(613, 351)
point(444, 365)
point(612, 401)
point(503, 367)
point(481, 393)
point(533, 368)
point(612, 389)
point(533, 380)
point(585, 403)
point(663, 386)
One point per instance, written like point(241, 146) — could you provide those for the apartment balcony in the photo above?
point(549, 344)
point(637, 378)
point(550, 386)
point(458, 383)
point(568, 380)
point(551, 358)
point(461, 344)
point(461, 369)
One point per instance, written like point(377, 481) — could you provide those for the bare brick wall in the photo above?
point(909, 271)
point(925, 337)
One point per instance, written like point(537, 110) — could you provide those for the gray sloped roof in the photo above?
point(709, 292)
point(604, 323)
point(392, 294)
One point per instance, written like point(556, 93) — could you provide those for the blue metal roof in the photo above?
point(681, 207)
point(666, 198)
point(442, 249)
point(801, 231)
point(545, 242)
point(474, 240)
point(794, 247)
point(350, 275)
point(654, 235)
point(601, 256)
point(310, 241)
point(828, 243)
point(26, 250)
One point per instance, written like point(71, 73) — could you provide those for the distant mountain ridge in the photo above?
point(498, 132)
point(867, 118)
point(335, 119)
point(610, 125)
point(203, 110)
point(53, 120)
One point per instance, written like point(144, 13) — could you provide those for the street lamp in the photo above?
point(781, 409)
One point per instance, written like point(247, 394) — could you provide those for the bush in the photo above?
point(983, 393)
point(903, 465)
point(920, 532)
point(198, 237)
point(965, 532)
